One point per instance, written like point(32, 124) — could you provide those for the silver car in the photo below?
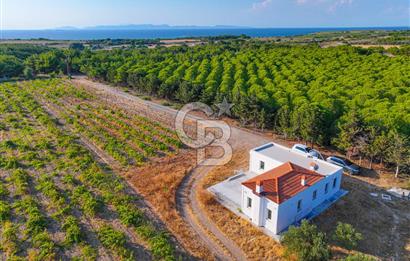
point(347, 165)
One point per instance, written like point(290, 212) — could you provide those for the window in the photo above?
point(314, 194)
point(249, 203)
point(301, 149)
point(269, 214)
point(326, 188)
point(261, 165)
point(334, 183)
point(299, 205)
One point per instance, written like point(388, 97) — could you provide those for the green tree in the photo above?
point(306, 243)
point(398, 151)
point(28, 73)
point(10, 66)
point(351, 128)
point(346, 235)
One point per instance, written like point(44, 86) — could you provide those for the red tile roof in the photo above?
point(283, 182)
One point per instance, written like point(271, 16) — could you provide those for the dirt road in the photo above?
point(186, 195)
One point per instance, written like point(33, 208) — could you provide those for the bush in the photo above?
point(359, 257)
point(306, 243)
point(45, 246)
point(88, 253)
point(161, 247)
point(8, 238)
point(130, 215)
point(4, 211)
point(72, 230)
point(3, 190)
point(346, 235)
point(111, 238)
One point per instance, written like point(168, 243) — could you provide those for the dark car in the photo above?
point(347, 165)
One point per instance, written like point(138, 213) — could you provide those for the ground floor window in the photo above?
point(326, 188)
point(249, 202)
point(334, 183)
point(269, 214)
point(314, 194)
point(299, 205)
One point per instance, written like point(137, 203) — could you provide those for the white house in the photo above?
point(284, 186)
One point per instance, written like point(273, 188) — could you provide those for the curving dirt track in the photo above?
point(187, 204)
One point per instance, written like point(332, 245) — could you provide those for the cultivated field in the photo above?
point(59, 199)
point(83, 175)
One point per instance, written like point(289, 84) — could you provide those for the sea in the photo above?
point(83, 34)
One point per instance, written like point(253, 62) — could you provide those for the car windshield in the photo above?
point(345, 161)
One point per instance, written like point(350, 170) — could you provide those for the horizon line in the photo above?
point(94, 27)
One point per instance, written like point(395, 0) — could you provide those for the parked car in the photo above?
point(347, 165)
point(307, 150)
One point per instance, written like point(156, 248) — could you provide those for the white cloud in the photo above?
point(339, 3)
point(332, 5)
point(261, 4)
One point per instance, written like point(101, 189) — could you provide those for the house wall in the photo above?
point(287, 211)
point(252, 212)
point(265, 222)
point(258, 213)
point(256, 158)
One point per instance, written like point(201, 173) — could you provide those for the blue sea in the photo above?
point(170, 33)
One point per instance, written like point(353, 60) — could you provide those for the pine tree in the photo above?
point(398, 151)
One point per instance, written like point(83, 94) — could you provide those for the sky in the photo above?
point(43, 14)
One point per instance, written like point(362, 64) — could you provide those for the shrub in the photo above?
point(88, 253)
point(35, 221)
point(72, 230)
point(4, 211)
point(8, 238)
point(111, 238)
point(346, 235)
point(20, 179)
point(45, 246)
point(3, 190)
point(161, 247)
point(88, 203)
point(359, 257)
point(306, 243)
point(129, 215)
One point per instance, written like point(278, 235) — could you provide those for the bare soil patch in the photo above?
point(383, 224)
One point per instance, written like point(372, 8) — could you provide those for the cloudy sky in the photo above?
point(40, 14)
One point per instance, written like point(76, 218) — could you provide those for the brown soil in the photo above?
point(383, 224)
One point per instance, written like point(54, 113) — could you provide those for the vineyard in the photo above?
point(60, 201)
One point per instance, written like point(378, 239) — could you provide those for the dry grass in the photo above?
point(254, 243)
point(157, 182)
point(384, 225)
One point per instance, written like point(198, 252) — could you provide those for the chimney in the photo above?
point(313, 166)
point(259, 187)
point(303, 181)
